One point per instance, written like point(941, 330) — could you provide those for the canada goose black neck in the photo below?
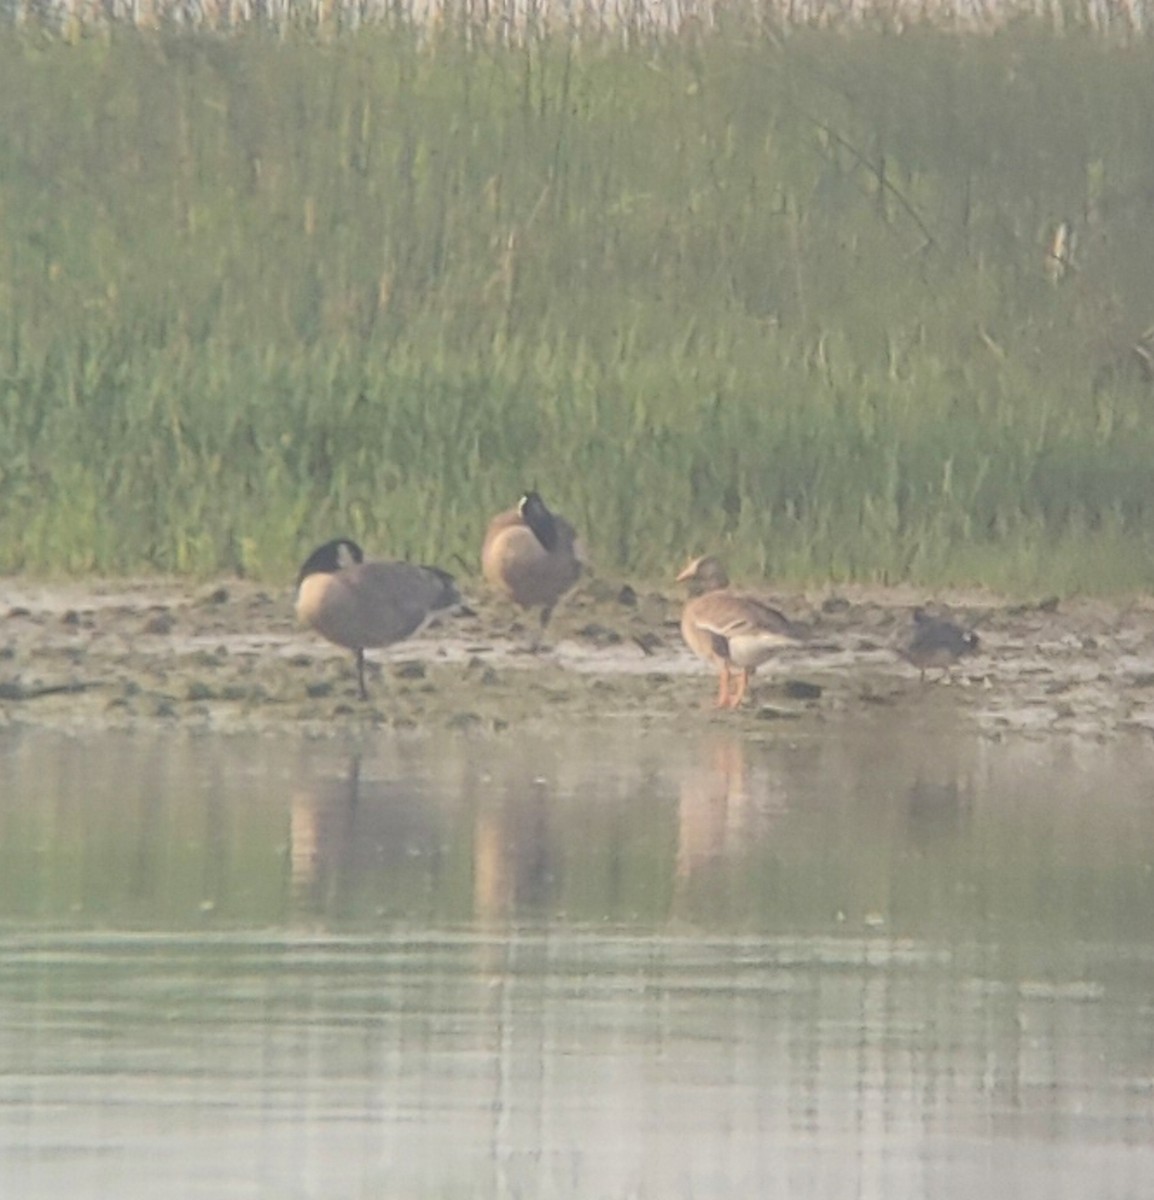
point(540, 520)
point(331, 557)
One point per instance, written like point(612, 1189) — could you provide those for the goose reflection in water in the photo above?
point(937, 810)
point(359, 843)
point(513, 855)
point(724, 808)
point(321, 825)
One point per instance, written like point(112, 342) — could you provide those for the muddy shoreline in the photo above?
point(229, 657)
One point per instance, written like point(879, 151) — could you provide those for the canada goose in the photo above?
point(730, 630)
point(936, 643)
point(360, 604)
point(532, 555)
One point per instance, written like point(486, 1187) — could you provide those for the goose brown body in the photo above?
point(361, 605)
point(531, 555)
point(730, 630)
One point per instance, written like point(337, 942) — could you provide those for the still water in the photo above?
point(884, 960)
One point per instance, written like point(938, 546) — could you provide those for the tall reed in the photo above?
point(786, 300)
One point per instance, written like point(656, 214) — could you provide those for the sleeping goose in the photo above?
point(531, 555)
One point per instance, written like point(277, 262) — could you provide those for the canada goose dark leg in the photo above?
point(360, 656)
point(539, 639)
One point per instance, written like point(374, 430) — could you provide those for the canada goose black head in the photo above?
point(332, 556)
point(535, 513)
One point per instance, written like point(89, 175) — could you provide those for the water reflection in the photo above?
point(714, 805)
point(322, 837)
point(514, 851)
point(868, 961)
point(935, 810)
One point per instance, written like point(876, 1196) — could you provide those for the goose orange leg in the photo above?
point(742, 684)
point(723, 686)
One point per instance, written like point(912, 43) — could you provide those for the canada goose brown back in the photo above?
point(730, 630)
point(358, 604)
point(936, 644)
point(531, 555)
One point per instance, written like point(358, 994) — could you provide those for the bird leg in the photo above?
point(537, 641)
point(360, 656)
point(742, 684)
point(723, 686)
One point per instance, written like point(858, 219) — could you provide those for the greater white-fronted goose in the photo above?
point(730, 630)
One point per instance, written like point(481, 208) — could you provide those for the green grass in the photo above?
point(785, 301)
